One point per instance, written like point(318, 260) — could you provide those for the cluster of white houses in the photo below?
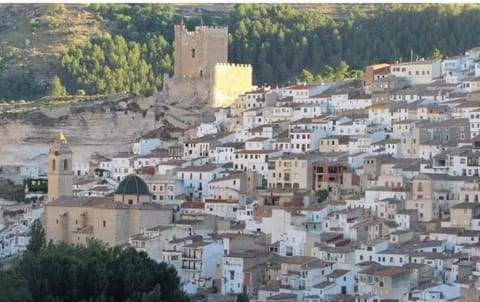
point(354, 191)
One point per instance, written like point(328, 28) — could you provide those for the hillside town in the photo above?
point(362, 190)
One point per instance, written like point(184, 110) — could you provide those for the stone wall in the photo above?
point(188, 89)
point(229, 81)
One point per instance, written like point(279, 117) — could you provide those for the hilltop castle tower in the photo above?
point(60, 175)
point(197, 52)
point(201, 71)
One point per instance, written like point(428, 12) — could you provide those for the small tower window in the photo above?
point(193, 52)
point(104, 223)
point(53, 165)
point(65, 165)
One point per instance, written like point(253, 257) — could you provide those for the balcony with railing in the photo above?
point(473, 162)
point(192, 266)
point(192, 256)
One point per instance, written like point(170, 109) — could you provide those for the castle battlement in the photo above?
point(203, 29)
point(233, 65)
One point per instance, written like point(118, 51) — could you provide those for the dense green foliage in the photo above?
point(330, 74)
point(280, 41)
point(93, 272)
point(11, 191)
point(133, 60)
point(56, 88)
point(243, 297)
point(322, 195)
point(283, 43)
point(107, 65)
point(37, 238)
point(20, 86)
point(13, 288)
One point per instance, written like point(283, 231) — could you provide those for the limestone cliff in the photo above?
point(106, 126)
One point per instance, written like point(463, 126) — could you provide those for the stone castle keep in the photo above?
point(201, 68)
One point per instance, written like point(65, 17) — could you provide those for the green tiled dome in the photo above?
point(132, 185)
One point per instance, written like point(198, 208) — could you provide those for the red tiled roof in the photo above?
point(392, 271)
point(80, 182)
point(255, 151)
point(148, 170)
point(212, 200)
point(301, 87)
point(193, 205)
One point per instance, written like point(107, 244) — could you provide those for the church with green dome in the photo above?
point(111, 219)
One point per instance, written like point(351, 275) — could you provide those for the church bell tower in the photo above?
point(60, 174)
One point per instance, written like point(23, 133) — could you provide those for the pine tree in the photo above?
point(436, 54)
point(57, 88)
point(37, 238)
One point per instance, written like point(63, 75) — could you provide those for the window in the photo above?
point(53, 165)
point(104, 223)
point(193, 52)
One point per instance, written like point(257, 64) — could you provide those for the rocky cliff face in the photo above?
point(105, 126)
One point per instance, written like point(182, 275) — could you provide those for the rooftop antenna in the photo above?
point(411, 54)
point(201, 20)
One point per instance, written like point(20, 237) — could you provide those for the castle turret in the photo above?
point(60, 175)
point(197, 52)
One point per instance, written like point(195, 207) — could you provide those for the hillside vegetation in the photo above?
point(108, 48)
point(33, 38)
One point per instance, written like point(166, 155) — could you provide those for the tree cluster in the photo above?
point(330, 74)
point(283, 43)
point(94, 272)
point(107, 64)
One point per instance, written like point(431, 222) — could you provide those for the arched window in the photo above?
point(53, 165)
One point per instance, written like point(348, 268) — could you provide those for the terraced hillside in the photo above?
point(33, 37)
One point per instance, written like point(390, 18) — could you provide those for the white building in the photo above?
point(342, 102)
point(145, 145)
point(302, 91)
point(238, 271)
point(81, 168)
point(29, 171)
point(254, 99)
point(199, 264)
point(225, 153)
point(122, 165)
point(196, 178)
point(292, 243)
point(166, 189)
point(206, 128)
point(222, 208)
point(418, 72)
point(146, 161)
point(304, 140)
